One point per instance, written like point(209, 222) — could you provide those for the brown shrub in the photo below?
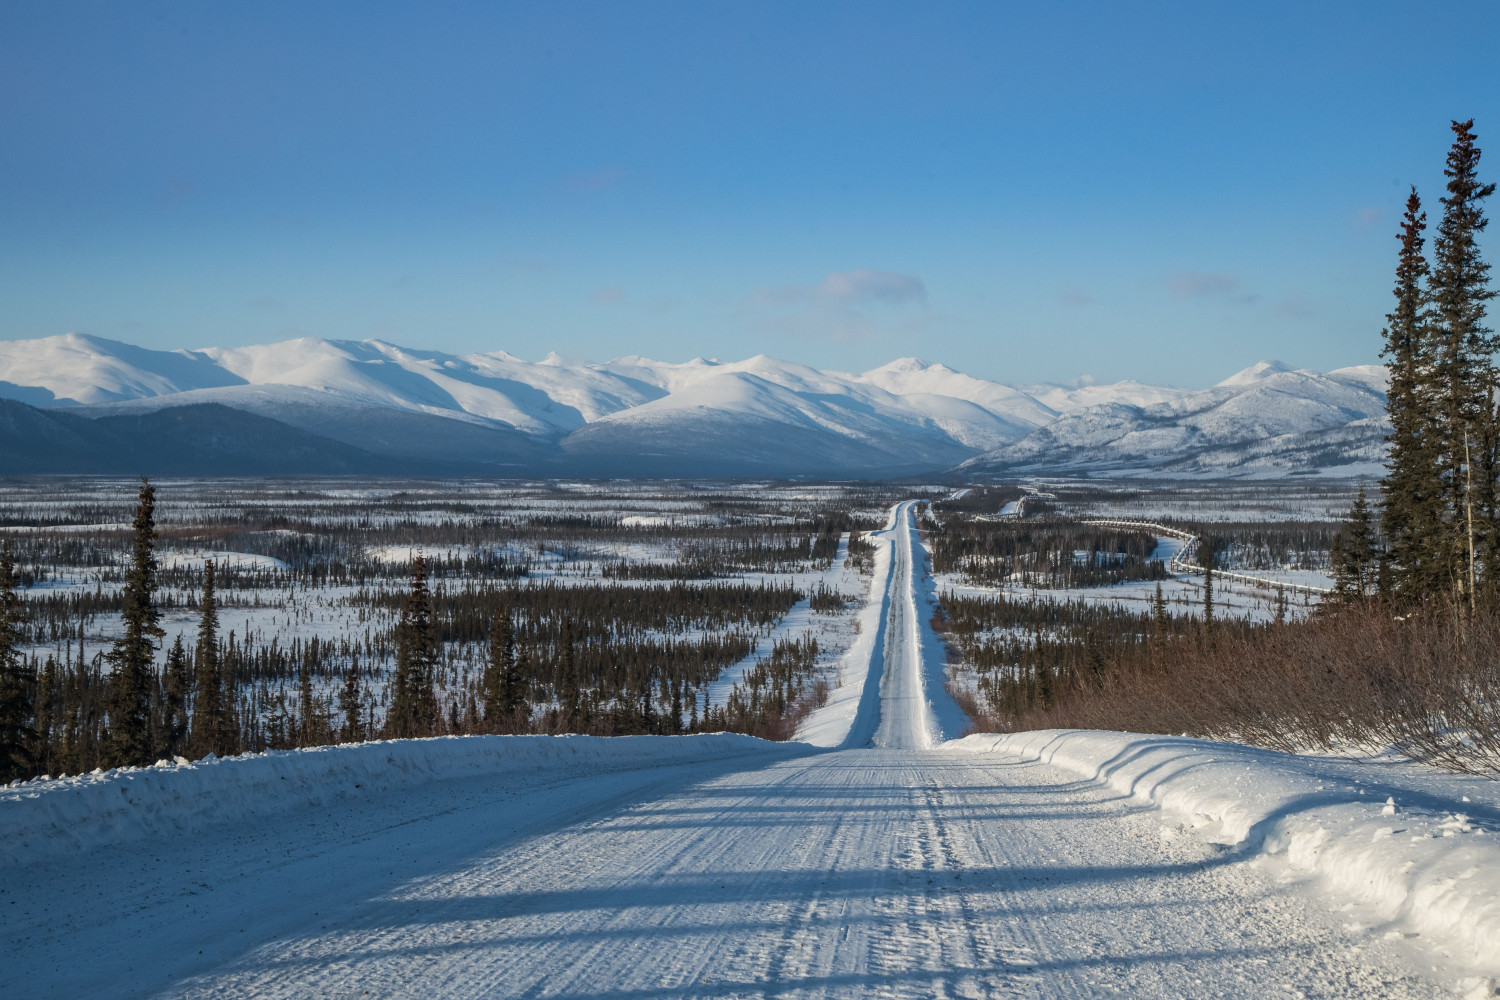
point(1426, 682)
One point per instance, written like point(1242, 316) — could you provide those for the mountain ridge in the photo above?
point(494, 412)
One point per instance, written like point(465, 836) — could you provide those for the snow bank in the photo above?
point(849, 717)
point(45, 818)
point(1426, 861)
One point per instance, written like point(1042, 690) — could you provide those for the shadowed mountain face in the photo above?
point(368, 406)
point(206, 439)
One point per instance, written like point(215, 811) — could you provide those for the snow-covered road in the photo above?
point(899, 870)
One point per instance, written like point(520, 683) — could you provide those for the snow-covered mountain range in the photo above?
point(369, 405)
point(1269, 420)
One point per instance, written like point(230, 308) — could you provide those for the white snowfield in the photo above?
point(897, 862)
point(1267, 421)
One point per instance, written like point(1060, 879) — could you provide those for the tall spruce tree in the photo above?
point(211, 723)
point(1412, 515)
point(567, 672)
point(502, 679)
point(18, 742)
point(1206, 550)
point(176, 686)
point(414, 709)
point(350, 704)
point(47, 716)
point(129, 739)
point(1463, 377)
point(1355, 557)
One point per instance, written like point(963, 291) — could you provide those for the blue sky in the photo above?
point(1024, 191)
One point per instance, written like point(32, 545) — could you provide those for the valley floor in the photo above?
point(916, 867)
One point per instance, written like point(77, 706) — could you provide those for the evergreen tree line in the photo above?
point(317, 550)
point(1042, 554)
point(1438, 535)
point(556, 658)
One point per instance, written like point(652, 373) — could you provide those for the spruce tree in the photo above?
point(414, 710)
point(1464, 373)
point(502, 661)
point(17, 736)
point(128, 739)
point(1206, 550)
point(172, 728)
point(501, 687)
point(1412, 492)
point(677, 705)
point(1354, 556)
point(522, 717)
point(210, 721)
point(567, 669)
point(47, 715)
point(310, 719)
point(350, 704)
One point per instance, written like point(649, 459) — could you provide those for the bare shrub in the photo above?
point(1426, 682)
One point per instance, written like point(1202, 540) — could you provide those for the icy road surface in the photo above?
point(895, 870)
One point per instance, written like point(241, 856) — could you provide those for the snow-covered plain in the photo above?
point(1054, 864)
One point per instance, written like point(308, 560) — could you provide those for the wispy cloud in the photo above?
point(1072, 295)
point(872, 286)
point(610, 295)
point(865, 286)
point(845, 306)
point(1205, 285)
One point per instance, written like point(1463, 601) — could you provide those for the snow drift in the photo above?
point(47, 817)
point(1428, 861)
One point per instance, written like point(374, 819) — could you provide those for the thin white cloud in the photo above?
point(864, 286)
point(610, 295)
point(869, 285)
point(844, 306)
point(1072, 295)
point(1205, 285)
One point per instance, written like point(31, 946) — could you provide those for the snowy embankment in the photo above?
point(45, 818)
point(1415, 854)
point(856, 696)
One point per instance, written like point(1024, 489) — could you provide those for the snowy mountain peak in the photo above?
point(1257, 372)
point(635, 415)
point(907, 365)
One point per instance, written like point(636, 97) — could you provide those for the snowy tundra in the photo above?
point(879, 855)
